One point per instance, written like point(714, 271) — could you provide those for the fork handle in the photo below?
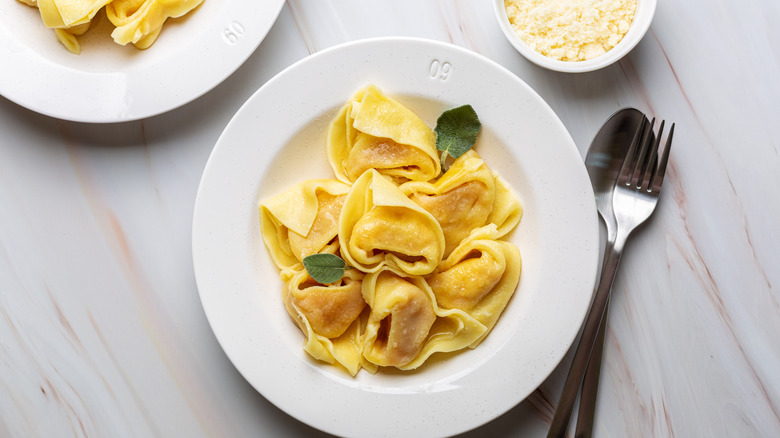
point(571, 386)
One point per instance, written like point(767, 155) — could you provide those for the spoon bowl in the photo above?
point(605, 158)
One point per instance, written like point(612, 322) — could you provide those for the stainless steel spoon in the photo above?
point(603, 161)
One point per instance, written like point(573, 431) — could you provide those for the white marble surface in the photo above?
point(102, 333)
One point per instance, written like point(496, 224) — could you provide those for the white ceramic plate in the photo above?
point(278, 139)
point(111, 83)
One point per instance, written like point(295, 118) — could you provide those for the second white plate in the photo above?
point(277, 139)
point(111, 83)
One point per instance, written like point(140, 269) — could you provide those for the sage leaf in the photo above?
point(456, 131)
point(325, 268)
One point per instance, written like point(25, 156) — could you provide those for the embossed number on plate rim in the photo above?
point(439, 70)
point(233, 32)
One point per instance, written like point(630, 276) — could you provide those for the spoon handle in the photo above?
point(571, 386)
point(590, 385)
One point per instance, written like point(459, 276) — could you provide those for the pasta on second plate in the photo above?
point(427, 271)
point(136, 21)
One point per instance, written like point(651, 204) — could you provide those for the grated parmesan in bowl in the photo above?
point(574, 35)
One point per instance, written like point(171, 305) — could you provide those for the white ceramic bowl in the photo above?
point(645, 9)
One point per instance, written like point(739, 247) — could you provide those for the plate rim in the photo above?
point(592, 224)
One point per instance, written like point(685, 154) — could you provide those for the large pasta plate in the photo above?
point(112, 83)
point(277, 139)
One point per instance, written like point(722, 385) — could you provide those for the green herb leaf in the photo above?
point(325, 268)
point(456, 131)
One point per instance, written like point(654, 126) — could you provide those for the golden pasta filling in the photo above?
point(385, 229)
point(466, 283)
point(401, 316)
point(329, 309)
point(421, 265)
point(385, 155)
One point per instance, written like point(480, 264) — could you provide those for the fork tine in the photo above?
point(658, 178)
point(625, 171)
point(636, 177)
point(652, 161)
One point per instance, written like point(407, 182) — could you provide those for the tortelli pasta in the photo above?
point(378, 225)
point(406, 325)
point(303, 220)
point(467, 196)
point(479, 276)
point(136, 21)
point(427, 269)
point(373, 131)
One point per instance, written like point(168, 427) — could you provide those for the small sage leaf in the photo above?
point(325, 268)
point(456, 131)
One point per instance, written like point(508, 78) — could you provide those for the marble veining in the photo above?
point(101, 329)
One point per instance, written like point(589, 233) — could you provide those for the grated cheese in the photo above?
point(571, 30)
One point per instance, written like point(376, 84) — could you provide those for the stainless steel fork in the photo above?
point(633, 201)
